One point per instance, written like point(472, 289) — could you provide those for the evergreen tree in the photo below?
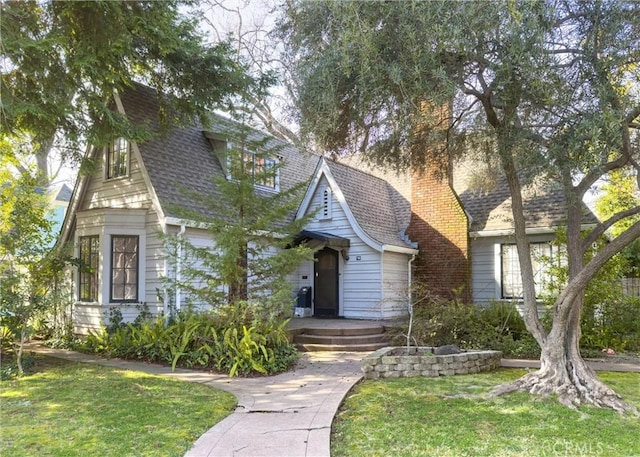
point(252, 231)
point(62, 61)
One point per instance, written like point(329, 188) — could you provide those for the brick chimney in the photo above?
point(440, 227)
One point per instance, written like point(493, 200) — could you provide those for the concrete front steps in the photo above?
point(365, 337)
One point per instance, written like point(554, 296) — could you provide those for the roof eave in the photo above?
point(77, 196)
point(400, 249)
point(529, 231)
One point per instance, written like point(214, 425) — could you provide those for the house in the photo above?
point(59, 197)
point(494, 258)
point(372, 233)
point(117, 215)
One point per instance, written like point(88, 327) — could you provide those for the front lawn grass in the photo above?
point(72, 409)
point(451, 416)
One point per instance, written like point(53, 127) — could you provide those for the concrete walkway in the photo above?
point(595, 364)
point(289, 414)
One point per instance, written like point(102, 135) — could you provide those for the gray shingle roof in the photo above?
point(61, 193)
point(183, 158)
point(374, 203)
point(544, 204)
point(399, 186)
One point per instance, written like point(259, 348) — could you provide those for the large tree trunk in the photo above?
point(563, 372)
point(42, 160)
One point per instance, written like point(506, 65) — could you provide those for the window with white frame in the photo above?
point(124, 268)
point(118, 158)
point(89, 257)
point(511, 278)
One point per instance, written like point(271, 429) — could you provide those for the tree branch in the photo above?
point(596, 173)
point(602, 227)
point(578, 283)
point(632, 116)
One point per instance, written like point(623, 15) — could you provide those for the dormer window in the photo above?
point(263, 168)
point(118, 158)
point(325, 212)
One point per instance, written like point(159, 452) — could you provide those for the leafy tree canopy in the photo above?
point(62, 61)
point(558, 78)
point(542, 89)
point(25, 229)
point(619, 194)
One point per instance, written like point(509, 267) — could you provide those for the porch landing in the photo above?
point(343, 335)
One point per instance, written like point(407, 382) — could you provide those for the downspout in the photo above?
point(410, 277)
point(179, 266)
point(165, 266)
point(409, 302)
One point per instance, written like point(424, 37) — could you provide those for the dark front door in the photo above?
point(326, 283)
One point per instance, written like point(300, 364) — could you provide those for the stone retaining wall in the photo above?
point(380, 364)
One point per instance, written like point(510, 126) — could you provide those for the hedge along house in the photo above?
point(372, 233)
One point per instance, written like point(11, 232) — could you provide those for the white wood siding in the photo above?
point(123, 192)
point(361, 276)
point(155, 258)
point(395, 284)
point(486, 274)
point(87, 317)
point(201, 239)
point(302, 277)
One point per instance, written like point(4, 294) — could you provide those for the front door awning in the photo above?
point(317, 239)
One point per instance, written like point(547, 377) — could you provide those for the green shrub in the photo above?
point(96, 341)
point(238, 340)
point(116, 320)
point(614, 323)
point(7, 338)
point(260, 348)
point(438, 322)
point(497, 326)
point(500, 326)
